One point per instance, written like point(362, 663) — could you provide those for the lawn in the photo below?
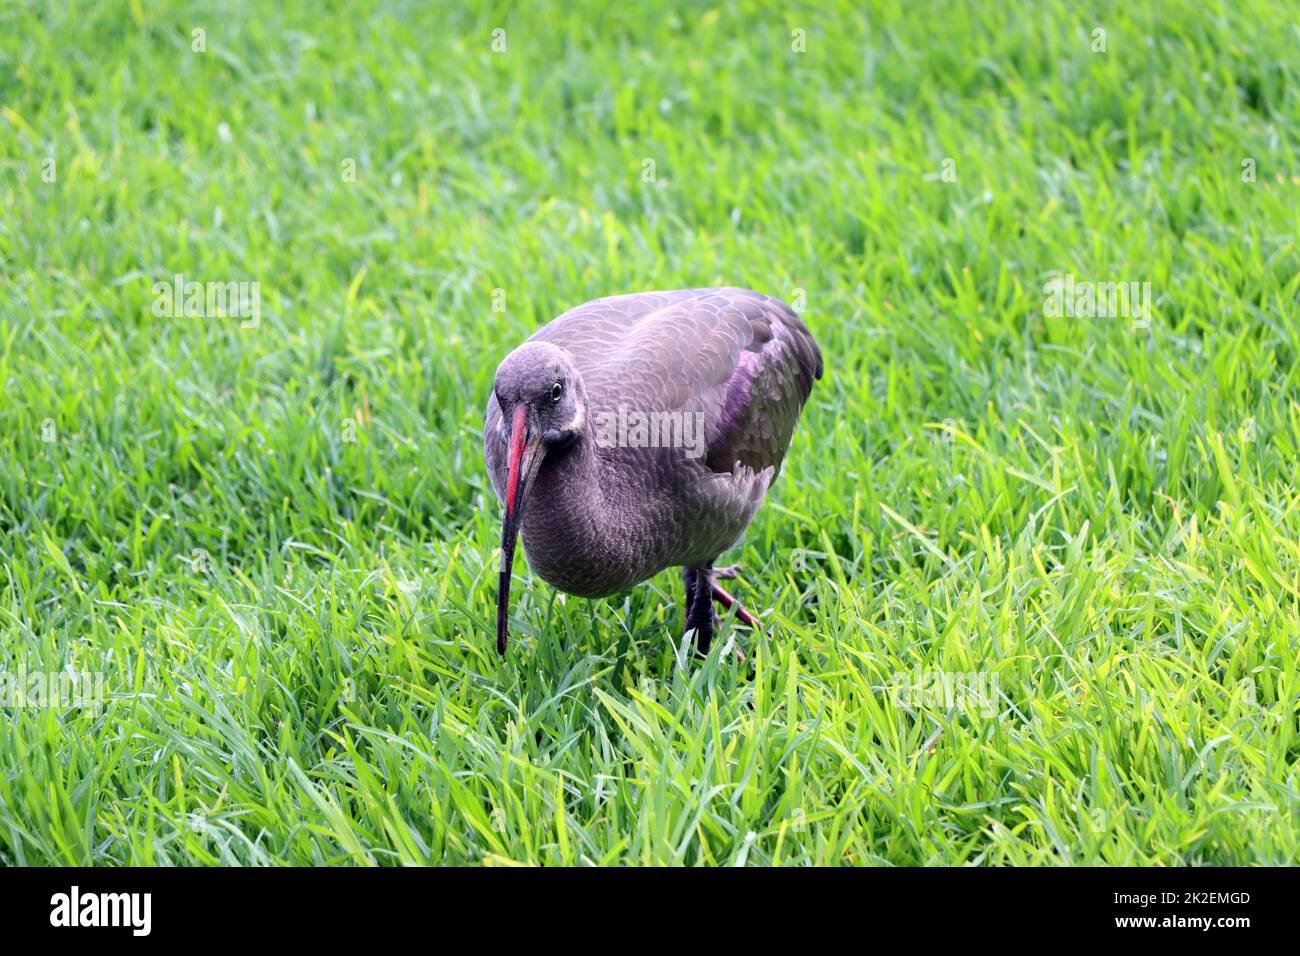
point(271, 541)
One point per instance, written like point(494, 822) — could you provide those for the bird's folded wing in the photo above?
point(745, 361)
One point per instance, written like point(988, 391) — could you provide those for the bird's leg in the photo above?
point(699, 608)
point(689, 577)
point(727, 600)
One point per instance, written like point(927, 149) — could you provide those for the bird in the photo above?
point(639, 432)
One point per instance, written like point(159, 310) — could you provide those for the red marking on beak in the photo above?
point(518, 427)
point(514, 512)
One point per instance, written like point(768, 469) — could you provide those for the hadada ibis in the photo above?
point(640, 432)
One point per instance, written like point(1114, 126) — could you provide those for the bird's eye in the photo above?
point(556, 391)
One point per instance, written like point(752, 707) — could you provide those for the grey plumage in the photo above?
point(601, 519)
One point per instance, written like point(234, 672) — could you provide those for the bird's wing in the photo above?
point(745, 361)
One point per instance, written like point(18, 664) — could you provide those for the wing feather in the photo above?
point(745, 360)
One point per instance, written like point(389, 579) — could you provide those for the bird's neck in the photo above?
point(574, 531)
point(569, 487)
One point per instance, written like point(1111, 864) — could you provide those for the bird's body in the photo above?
point(674, 413)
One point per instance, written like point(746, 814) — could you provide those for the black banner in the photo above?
point(341, 905)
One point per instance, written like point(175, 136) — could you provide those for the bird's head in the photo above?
point(543, 411)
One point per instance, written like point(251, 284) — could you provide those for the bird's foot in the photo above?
point(728, 600)
point(699, 631)
point(700, 616)
point(703, 639)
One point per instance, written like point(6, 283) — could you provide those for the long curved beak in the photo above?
point(525, 455)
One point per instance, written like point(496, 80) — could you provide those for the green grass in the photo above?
point(295, 630)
